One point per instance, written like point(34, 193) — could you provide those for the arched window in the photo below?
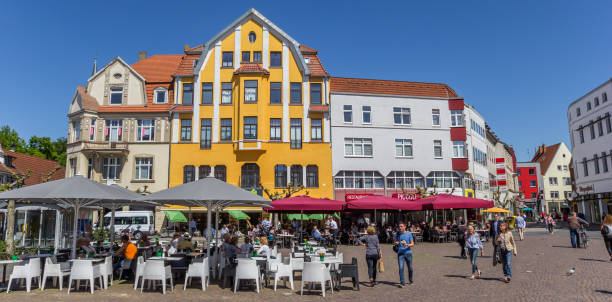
point(188, 174)
point(404, 179)
point(160, 95)
point(312, 176)
point(297, 175)
point(250, 176)
point(203, 171)
point(220, 172)
point(280, 176)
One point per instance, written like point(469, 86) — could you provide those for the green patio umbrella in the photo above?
point(240, 215)
point(297, 216)
point(175, 216)
point(316, 216)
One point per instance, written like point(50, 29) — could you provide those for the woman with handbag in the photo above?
point(606, 232)
point(473, 244)
point(370, 242)
point(507, 248)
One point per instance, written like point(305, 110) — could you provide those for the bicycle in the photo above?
point(584, 239)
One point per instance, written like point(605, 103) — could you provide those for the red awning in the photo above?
point(448, 201)
point(305, 204)
point(379, 202)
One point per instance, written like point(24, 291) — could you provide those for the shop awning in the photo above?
point(495, 210)
point(448, 201)
point(380, 202)
point(297, 216)
point(239, 215)
point(305, 204)
point(175, 216)
point(172, 207)
point(316, 217)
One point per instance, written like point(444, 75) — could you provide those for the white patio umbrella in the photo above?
point(76, 192)
point(207, 192)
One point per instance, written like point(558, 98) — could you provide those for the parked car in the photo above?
point(137, 222)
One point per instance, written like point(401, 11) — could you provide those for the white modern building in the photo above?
point(477, 152)
point(590, 130)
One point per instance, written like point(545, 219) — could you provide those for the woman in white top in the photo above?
point(264, 250)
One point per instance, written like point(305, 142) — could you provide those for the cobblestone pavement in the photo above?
point(539, 274)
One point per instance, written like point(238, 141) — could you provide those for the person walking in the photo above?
point(192, 227)
point(550, 224)
point(473, 244)
point(370, 242)
point(520, 224)
point(461, 229)
point(574, 223)
point(507, 248)
point(404, 242)
point(493, 232)
point(606, 232)
point(333, 229)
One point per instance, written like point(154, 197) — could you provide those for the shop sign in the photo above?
point(585, 188)
point(407, 196)
point(355, 196)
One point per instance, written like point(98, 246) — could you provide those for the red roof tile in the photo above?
point(40, 167)
point(251, 68)
point(545, 155)
point(135, 109)
point(369, 86)
point(158, 68)
point(315, 66)
point(308, 50)
point(150, 87)
point(185, 68)
point(87, 101)
point(196, 50)
point(182, 108)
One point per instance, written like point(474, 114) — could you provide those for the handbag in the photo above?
point(381, 265)
point(395, 246)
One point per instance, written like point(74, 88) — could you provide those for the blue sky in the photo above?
point(520, 63)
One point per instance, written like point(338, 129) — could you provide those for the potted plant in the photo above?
point(100, 235)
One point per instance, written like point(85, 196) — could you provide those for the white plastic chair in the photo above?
point(297, 264)
point(55, 271)
point(85, 270)
point(197, 270)
point(282, 270)
point(27, 271)
point(274, 251)
point(247, 270)
point(213, 264)
point(106, 270)
point(316, 272)
point(140, 265)
point(155, 270)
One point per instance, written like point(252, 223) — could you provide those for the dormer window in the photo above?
point(252, 37)
point(307, 60)
point(116, 95)
point(160, 95)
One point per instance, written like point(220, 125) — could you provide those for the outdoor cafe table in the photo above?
point(170, 258)
point(88, 259)
point(284, 238)
point(4, 264)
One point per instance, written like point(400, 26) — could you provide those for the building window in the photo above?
point(360, 147)
point(76, 131)
point(588, 106)
point(205, 133)
point(404, 179)
point(552, 181)
point(531, 171)
point(316, 129)
point(442, 179)
point(567, 181)
point(578, 111)
point(348, 113)
point(435, 117)
point(250, 176)
point(146, 130)
point(297, 178)
point(203, 171)
point(276, 59)
point(592, 128)
point(187, 94)
point(312, 176)
point(228, 59)
point(559, 167)
point(315, 93)
point(296, 93)
point(585, 167)
point(459, 149)
point(581, 135)
point(144, 168)
point(90, 163)
point(275, 129)
point(161, 95)
point(188, 174)
point(457, 118)
point(518, 171)
point(564, 167)
point(226, 93)
point(401, 116)
point(207, 93)
point(532, 183)
point(554, 194)
point(596, 163)
point(92, 130)
point(608, 125)
point(520, 184)
point(366, 114)
point(250, 91)
point(73, 167)
point(280, 176)
point(185, 130)
point(481, 157)
point(116, 95)
point(112, 132)
point(257, 56)
point(275, 93)
point(604, 97)
point(359, 179)
point(221, 172)
point(604, 162)
point(600, 127)
point(596, 101)
point(246, 56)
point(437, 148)
point(296, 133)
point(111, 168)
point(226, 129)
point(403, 147)
point(250, 127)
point(252, 37)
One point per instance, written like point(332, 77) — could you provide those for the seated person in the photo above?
point(127, 252)
point(144, 240)
point(246, 247)
point(294, 224)
point(354, 229)
point(185, 244)
point(317, 235)
point(85, 244)
point(231, 249)
point(224, 230)
point(264, 250)
point(174, 244)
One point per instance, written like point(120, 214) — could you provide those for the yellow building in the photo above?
point(253, 111)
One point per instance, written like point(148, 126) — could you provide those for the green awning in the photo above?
point(297, 216)
point(175, 216)
point(240, 215)
point(336, 215)
point(316, 217)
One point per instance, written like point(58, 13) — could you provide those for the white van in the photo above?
point(139, 222)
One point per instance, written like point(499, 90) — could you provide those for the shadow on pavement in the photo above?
point(589, 259)
point(563, 246)
point(604, 291)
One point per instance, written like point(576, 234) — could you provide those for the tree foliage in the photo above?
point(38, 146)
point(285, 192)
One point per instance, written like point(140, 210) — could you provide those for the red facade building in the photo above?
point(529, 181)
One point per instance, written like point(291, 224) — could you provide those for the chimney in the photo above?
point(142, 55)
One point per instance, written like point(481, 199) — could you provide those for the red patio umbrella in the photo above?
point(379, 202)
point(305, 204)
point(448, 201)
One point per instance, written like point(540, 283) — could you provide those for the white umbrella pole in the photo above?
point(208, 226)
point(58, 230)
point(74, 230)
point(217, 222)
point(112, 225)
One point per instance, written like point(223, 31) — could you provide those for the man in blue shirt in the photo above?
point(404, 242)
point(317, 235)
point(493, 232)
point(520, 224)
